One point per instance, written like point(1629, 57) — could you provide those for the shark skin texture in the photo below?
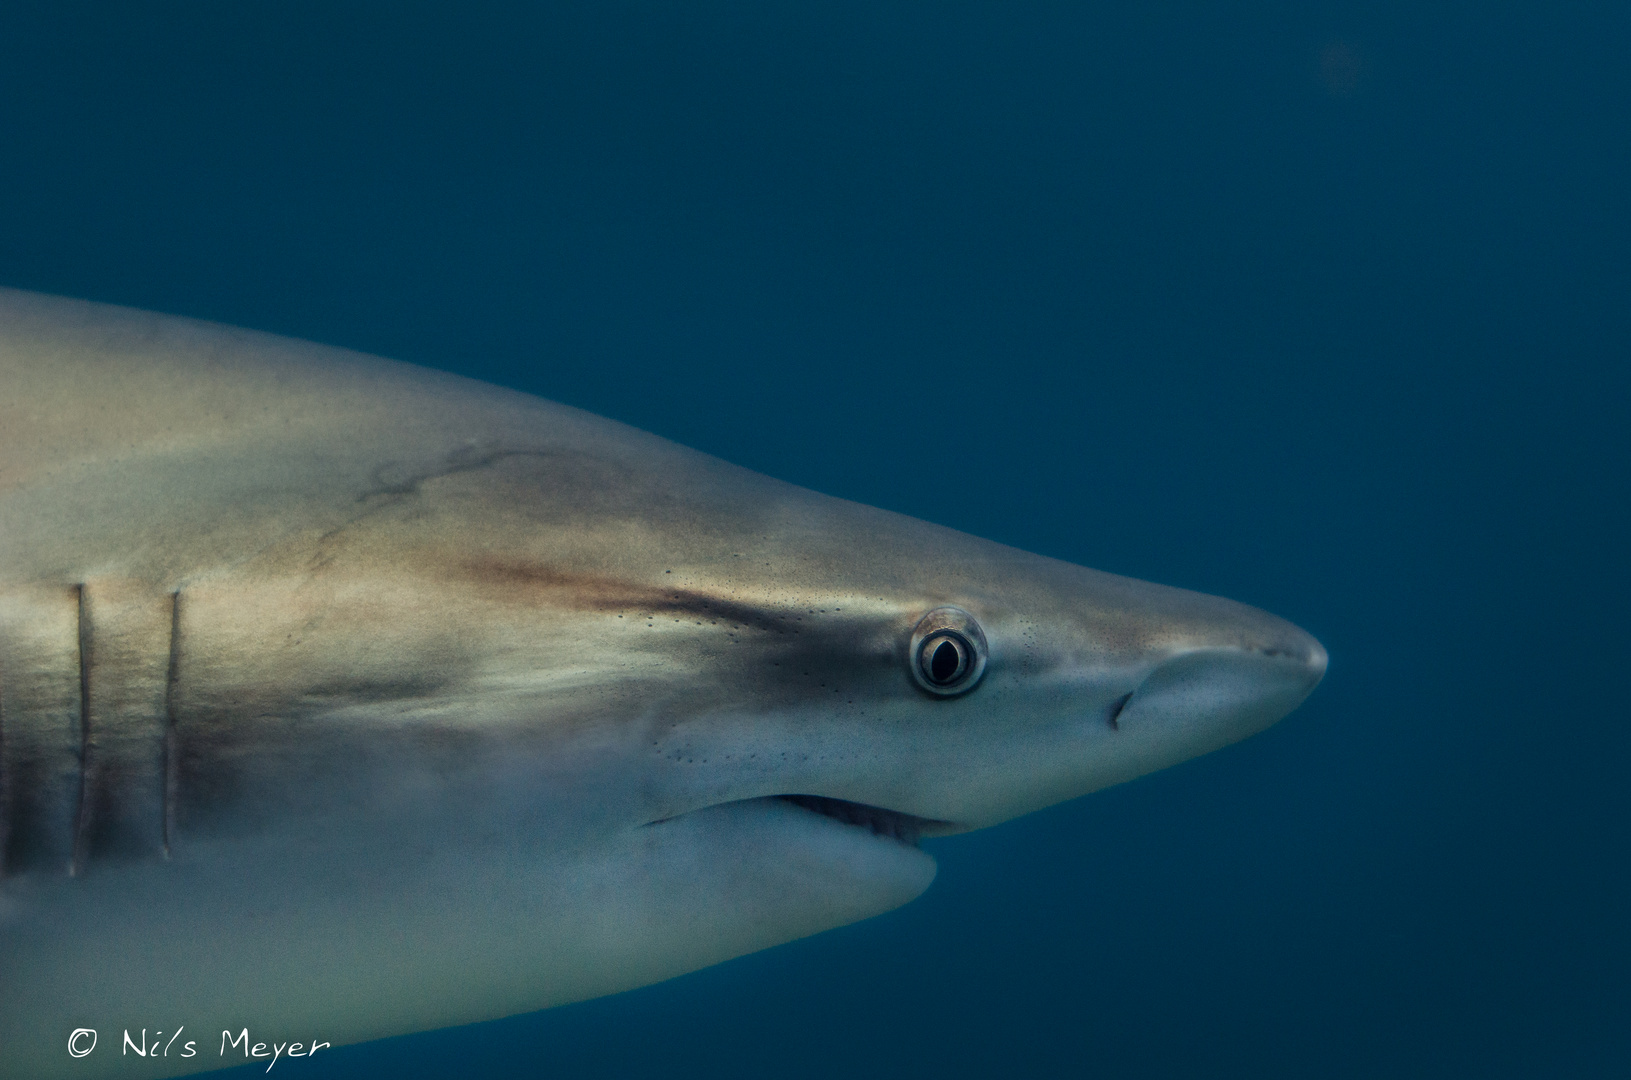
point(341, 698)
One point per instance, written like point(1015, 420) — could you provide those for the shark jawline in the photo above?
point(880, 821)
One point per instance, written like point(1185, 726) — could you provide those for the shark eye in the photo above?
point(945, 658)
point(948, 652)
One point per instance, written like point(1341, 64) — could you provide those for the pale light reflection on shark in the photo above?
point(341, 698)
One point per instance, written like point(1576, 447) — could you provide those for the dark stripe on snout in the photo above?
point(774, 655)
point(594, 592)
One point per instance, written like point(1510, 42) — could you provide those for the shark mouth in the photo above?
point(904, 828)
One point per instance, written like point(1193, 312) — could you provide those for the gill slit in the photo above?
point(170, 748)
point(5, 778)
point(82, 809)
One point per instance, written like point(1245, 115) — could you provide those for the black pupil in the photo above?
point(944, 663)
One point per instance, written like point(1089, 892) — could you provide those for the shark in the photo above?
point(342, 698)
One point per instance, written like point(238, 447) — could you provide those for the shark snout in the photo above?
point(1207, 695)
point(1314, 659)
point(1296, 646)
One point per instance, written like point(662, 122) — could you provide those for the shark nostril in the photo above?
point(1302, 649)
point(1116, 706)
point(1297, 647)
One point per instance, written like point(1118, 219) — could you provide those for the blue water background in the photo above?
point(1320, 306)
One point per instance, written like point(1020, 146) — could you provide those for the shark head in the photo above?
point(429, 702)
point(856, 680)
point(1002, 685)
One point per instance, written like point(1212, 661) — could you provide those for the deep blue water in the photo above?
point(1324, 307)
